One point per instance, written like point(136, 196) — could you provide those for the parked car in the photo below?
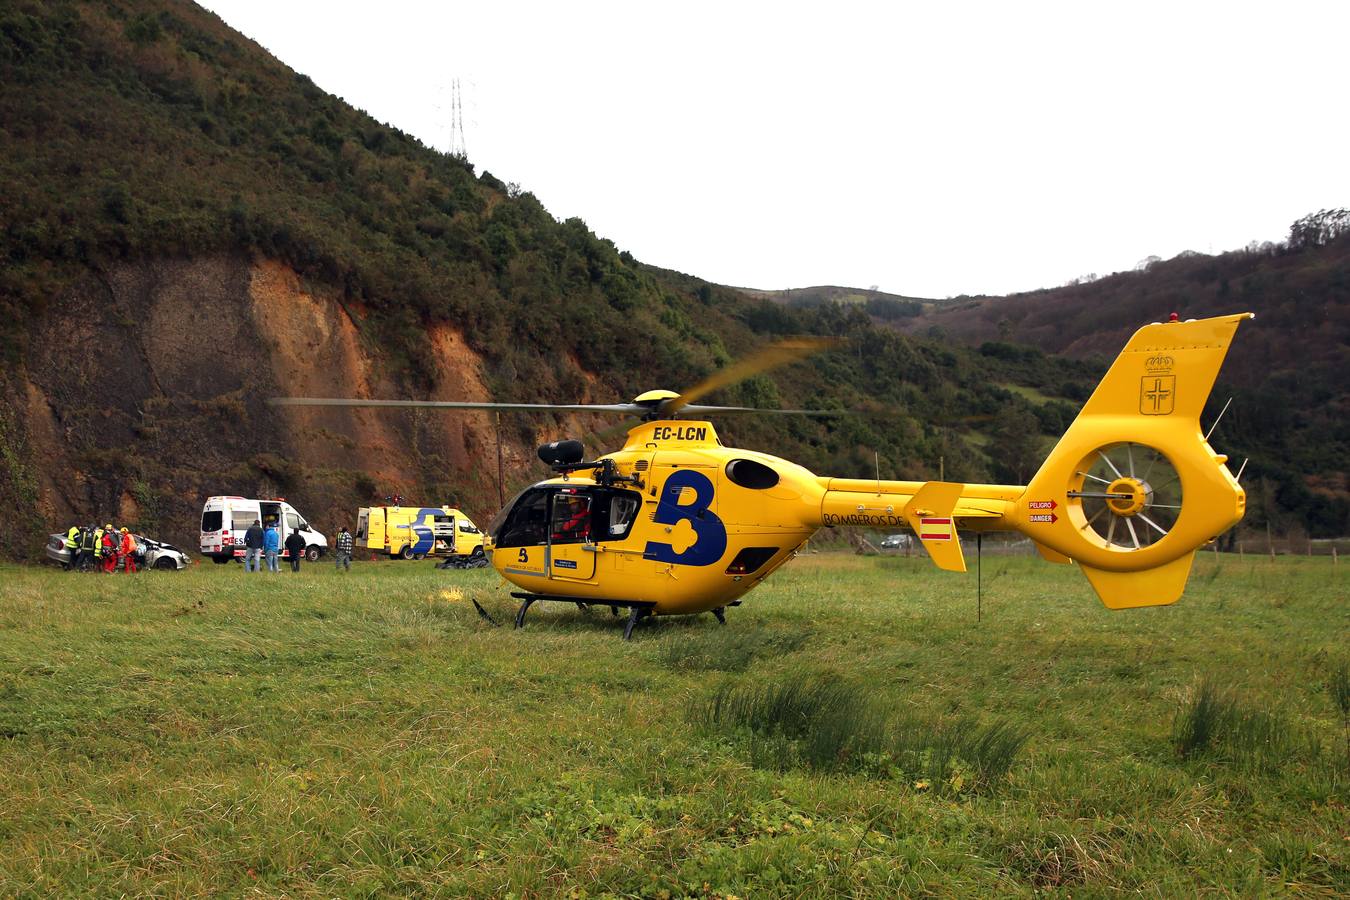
point(154, 554)
point(896, 542)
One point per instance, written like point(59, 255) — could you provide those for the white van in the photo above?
point(225, 519)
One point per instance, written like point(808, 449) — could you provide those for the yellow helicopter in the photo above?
point(676, 523)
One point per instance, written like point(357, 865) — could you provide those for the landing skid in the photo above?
point(637, 610)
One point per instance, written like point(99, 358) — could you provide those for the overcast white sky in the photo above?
point(931, 149)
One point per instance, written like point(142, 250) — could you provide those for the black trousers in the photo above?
point(295, 562)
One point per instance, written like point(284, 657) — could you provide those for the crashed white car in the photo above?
point(152, 554)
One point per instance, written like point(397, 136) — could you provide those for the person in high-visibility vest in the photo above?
point(111, 541)
point(73, 546)
point(128, 551)
point(98, 547)
point(88, 546)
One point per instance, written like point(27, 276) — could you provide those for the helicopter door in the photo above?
point(571, 544)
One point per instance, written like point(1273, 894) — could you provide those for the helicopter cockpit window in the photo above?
point(571, 515)
point(622, 511)
point(751, 474)
point(571, 523)
point(526, 521)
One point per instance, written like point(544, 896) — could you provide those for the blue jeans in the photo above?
point(252, 560)
point(342, 561)
point(272, 561)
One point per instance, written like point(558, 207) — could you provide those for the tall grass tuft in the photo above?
point(1217, 723)
point(1340, 690)
point(828, 724)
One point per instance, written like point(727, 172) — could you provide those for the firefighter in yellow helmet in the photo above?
point(111, 542)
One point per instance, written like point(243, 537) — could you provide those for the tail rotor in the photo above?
point(1127, 494)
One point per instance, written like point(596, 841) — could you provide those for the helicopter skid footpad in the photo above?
point(638, 609)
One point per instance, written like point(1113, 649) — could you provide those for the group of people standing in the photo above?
point(263, 543)
point(107, 548)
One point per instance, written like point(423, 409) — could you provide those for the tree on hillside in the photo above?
point(1319, 229)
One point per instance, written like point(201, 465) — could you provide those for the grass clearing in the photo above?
point(216, 732)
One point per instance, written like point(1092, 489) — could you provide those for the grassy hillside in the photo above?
point(211, 732)
point(1286, 373)
point(878, 304)
point(136, 131)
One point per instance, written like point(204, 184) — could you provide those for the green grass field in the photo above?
point(211, 732)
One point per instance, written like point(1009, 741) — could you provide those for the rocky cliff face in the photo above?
point(148, 393)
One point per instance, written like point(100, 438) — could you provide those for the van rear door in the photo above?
point(215, 527)
point(243, 513)
point(290, 522)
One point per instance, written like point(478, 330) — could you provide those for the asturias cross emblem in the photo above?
point(1157, 394)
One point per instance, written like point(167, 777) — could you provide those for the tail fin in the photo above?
point(1133, 489)
point(929, 514)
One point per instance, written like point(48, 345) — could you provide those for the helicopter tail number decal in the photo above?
point(1133, 488)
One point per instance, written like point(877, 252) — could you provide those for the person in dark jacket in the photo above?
point(253, 545)
point(295, 548)
point(85, 561)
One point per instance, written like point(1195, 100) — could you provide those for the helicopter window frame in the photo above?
point(752, 474)
point(604, 503)
point(633, 501)
point(517, 526)
point(603, 508)
point(509, 528)
point(568, 524)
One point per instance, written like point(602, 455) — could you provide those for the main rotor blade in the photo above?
point(770, 357)
point(699, 410)
point(629, 408)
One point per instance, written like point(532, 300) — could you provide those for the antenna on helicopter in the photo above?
point(1219, 419)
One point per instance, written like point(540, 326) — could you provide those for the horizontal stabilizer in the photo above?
point(1150, 587)
point(929, 513)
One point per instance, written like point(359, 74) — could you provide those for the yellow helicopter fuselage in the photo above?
point(689, 525)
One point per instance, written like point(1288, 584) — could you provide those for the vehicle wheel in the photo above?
point(419, 556)
point(312, 553)
point(477, 552)
point(222, 560)
point(406, 552)
point(166, 564)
